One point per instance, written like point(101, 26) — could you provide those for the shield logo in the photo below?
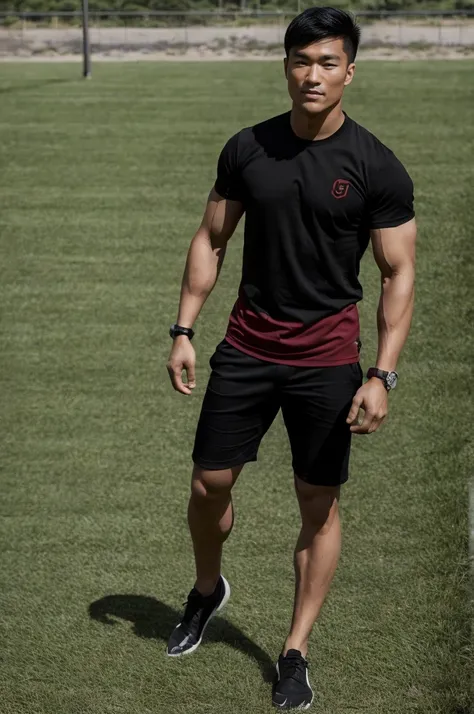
point(340, 188)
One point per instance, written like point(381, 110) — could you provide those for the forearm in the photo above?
point(394, 316)
point(200, 275)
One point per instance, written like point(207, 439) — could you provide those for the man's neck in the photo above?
point(318, 127)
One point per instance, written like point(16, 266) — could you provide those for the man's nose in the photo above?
point(313, 75)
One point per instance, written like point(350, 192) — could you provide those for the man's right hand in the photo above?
point(182, 358)
point(205, 256)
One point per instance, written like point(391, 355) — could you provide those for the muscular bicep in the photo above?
point(394, 248)
point(220, 219)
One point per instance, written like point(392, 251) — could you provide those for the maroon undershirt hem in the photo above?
point(330, 342)
point(304, 362)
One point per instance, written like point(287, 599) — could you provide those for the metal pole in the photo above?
point(86, 48)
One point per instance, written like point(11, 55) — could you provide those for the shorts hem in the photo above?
point(318, 482)
point(220, 465)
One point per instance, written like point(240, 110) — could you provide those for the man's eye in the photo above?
point(329, 66)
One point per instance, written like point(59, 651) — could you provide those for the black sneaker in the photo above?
point(187, 636)
point(292, 690)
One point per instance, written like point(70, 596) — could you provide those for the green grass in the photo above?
point(102, 186)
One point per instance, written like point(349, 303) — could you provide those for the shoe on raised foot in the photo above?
point(292, 690)
point(187, 636)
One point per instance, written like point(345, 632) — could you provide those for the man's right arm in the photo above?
point(204, 261)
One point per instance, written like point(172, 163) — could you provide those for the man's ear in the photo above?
point(349, 73)
point(285, 66)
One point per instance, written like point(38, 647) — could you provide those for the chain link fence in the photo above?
point(218, 33)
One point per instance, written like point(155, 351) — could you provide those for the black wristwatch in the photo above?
point(389, 379)
point(176, 330)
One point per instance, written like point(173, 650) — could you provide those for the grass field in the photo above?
point(102, 186)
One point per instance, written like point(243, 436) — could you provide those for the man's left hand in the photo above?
point(372, 397)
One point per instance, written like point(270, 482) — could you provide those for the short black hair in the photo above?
point(320, 23)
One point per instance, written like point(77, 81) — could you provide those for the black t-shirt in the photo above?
point(309, 207)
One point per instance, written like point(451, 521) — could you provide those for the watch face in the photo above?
point(391, 380)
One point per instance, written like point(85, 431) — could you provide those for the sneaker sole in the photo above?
point(221, 605)
point(300, 707)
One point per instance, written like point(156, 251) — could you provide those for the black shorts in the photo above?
point(244, 396)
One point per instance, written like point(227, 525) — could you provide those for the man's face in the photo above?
point(317, 75)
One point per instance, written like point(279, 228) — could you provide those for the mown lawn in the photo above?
point(102, 185)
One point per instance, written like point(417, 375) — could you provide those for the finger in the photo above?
point(191, 372)
point(373, 426)
point(177, 380)
point(169, 369)
point(365, 426)
point(354, 411)
point(376, 424)
point(179, 385)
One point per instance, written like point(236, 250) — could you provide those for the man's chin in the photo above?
point(312, 108)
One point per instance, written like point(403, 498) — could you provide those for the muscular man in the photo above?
point(315, 188)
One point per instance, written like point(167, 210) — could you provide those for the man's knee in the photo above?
point(318, 504)
point(210, 485)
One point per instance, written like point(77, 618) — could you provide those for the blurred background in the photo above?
point(151, 27)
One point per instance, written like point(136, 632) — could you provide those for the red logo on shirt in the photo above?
point(340, 188)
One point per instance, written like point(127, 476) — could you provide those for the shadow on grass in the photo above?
point(155, 620)
point(33, 84)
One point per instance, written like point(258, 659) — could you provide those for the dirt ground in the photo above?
point(380, 40)
point(394, 55)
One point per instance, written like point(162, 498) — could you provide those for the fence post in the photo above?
point(98, 34)
point(86, 48)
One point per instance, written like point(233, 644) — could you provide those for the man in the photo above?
point(315, 187)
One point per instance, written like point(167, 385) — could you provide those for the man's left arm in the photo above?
point(394, 252)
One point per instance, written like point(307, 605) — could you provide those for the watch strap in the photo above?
point(177, 330)
point(375, 372)
point(389, 379)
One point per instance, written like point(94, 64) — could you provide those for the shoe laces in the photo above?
point(294, 666)
point(192, 606)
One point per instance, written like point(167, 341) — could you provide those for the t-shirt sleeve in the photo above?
point(229, 180)
point(390, 195)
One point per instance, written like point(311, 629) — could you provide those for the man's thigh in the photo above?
point(239, 406)
point(315, 405)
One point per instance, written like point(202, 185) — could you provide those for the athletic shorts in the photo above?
point(245, 394)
